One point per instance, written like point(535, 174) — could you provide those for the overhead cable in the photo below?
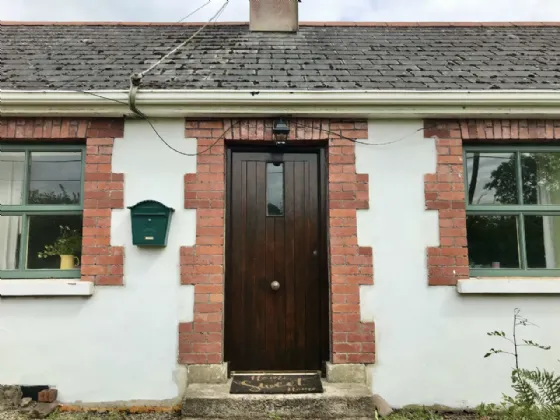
point(185, 42)
point(334, 133)
point(194, 11)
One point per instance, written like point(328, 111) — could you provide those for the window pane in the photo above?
point(12, 173)
point(56, 178)
point(10, 239)
point(274, 189)
point(542, 235)
point(541, 178)
point(492, 178)
point(493, 241)
point(52, 236)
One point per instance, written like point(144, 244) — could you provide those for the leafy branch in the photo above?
point(533, 388)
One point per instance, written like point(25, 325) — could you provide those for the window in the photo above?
point(275, 189)
point(513, 210)
point(41, 196)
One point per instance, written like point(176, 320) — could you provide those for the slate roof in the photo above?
point(229, 56)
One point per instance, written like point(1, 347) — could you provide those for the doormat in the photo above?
point(292, 383)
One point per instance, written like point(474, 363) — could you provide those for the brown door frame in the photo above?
point(324, 269)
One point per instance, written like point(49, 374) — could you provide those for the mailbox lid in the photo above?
point(150, 207)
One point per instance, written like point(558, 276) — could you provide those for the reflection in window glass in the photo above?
point(55, 178)
point(541, 178)
point(542, 236)
point(12, 173)
point(493, 241)
point(492, 178)
point(10, 239)
point(274, 189)
point(51, 237)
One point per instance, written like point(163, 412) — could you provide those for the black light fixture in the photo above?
point(281, 130)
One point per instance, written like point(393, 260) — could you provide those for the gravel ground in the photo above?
point(14, 415)
point(10, 415)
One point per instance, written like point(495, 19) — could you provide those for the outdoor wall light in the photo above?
point(281, 130)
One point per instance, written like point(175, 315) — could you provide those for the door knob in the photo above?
point(275, 285)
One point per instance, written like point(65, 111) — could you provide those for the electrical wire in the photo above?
point(185, 42)
point(194, 11)
point(173, 51)
point(150, 123)
point(145, 117)
point(232, 125)
point(157, 63)
point(358, 141)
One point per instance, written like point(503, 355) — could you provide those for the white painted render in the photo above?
point(431, 341)
point(121, 343)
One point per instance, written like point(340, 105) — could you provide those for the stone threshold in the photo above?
point(338, 401)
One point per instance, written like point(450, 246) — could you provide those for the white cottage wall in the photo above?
point(430, 341)
point(121, 343)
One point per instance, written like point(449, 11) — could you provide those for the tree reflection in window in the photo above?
point(55, 178)
point(501, 236)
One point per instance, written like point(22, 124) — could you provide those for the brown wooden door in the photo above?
point(276, 233)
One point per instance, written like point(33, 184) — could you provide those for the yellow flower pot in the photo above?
point(68, 262)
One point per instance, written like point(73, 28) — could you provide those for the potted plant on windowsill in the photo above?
point(66, 246)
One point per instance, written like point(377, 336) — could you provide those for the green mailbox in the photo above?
point(150, 223)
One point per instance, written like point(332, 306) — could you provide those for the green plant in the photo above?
point(535, 389)
point(69, 242)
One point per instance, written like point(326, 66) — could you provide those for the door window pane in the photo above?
point(10, 239)
point(492, 178)
point(541, 178)
point(493, 241)
point(50, 237)
point(55, 178)
point(274, 189)
point(12, 175)
point(542, 236)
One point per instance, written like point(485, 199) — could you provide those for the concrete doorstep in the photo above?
point(339, 401)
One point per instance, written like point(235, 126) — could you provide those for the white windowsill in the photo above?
point(47, 287)
point(509, 285)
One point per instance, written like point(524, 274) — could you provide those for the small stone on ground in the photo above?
point(383, 408)
point(26, 402)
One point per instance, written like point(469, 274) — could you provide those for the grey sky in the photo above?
point(314, 10)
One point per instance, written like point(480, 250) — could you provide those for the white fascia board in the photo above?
point(46, 287)
point(366, 104)
point(510, 285)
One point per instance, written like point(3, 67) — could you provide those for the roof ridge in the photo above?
point(331, 23)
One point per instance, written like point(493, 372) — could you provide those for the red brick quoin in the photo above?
point(103, 190)
point(445, 190)
point(200, 342)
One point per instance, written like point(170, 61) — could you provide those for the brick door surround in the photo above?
point(202, 265)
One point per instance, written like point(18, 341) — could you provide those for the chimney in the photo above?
point(274, 15)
